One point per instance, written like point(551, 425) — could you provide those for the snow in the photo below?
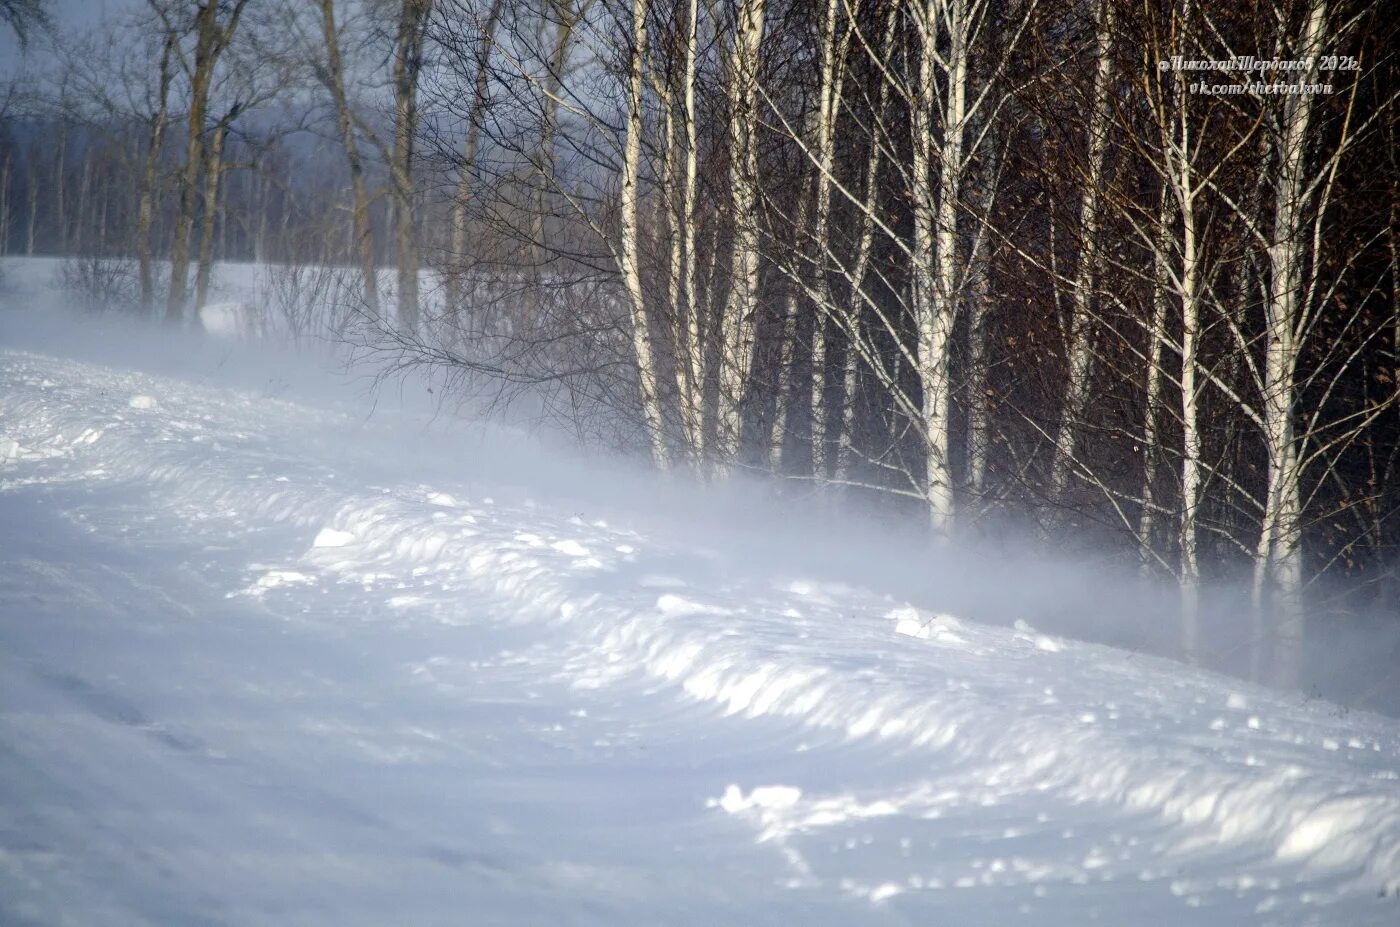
point(266, 661)
point(330, 537)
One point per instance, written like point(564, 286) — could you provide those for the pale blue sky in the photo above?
point(68, 15)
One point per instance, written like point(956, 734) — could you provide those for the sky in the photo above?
point(68, 15)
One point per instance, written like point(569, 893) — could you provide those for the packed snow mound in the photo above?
point(875, 756)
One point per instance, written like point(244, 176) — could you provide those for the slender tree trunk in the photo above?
point(476, 113)
point(785, 410)
point(5, 207)
point(647, 379)
point(363, 230)
point(979, 306)
point(1280, 539)
point(741, 310)
point(408, 61)
point(694, 409)
point(1078, 330)
point(845, 464)
point(832, 79)
point(150, 176)
point(935, 265)
point(213, 172)
point(1190, 576)
point(104, 202)
point(1151, 440)
point(33, 216)
point(680, 169)
point(568, 18)
point(77, 239)
point(260, 228)
point(673, 214)
point(210, 41)
point(60, 210)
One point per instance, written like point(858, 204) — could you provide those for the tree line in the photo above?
point(1122, 274)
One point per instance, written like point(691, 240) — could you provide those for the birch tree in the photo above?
point(332, 76)
point(740, 317)
point(647, 379)
point(150, 170)
point(407, 65)
point(471, 146)
point(1079, 328)
point(212, 37)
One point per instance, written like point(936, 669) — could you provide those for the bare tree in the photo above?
point(332, 75)
point(23, 16)
point(212, 36)
point(408, 64)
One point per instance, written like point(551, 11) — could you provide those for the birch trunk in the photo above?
point(1187, 534)
point(741, 310)
point(408, 61)
point(694, 354)
point(208, 44)
point(832, 78)
point(61, 190)
point(1152, 411)
point(647, 380)
point(213, 172)
point(83, 212)
point(845, 464)
point(569, 16)
point(1078, 331)
point(934, 260)
point(363, 231)
point(785, 411)
point(33, 216)
point(1280, 540)
point(471, 146)
point(978, 308)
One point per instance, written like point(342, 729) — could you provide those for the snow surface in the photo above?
point(265, 661)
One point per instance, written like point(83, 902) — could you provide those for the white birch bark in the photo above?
point(363, 232)
point(741, 309)
point(1280, 540)
point(1154, 390)
point(934, 270)
point(213, 174)
point(647, 379)
point(832, 78)
point(679, 172)
point(408, 60)
point(693, 397)
point(210, 39)
point(1078, 331)
point(150, 174)
point(471, 145)
point(785, 410)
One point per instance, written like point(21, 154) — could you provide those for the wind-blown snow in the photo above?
point(257, 667)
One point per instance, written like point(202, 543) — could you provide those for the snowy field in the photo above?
point(266, 658)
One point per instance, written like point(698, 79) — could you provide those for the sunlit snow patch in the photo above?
point(763, 796)
point(274, 578)
point(909, 621)
point(571, 548)
point(330, 537)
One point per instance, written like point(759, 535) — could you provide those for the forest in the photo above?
point(1116, 278)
